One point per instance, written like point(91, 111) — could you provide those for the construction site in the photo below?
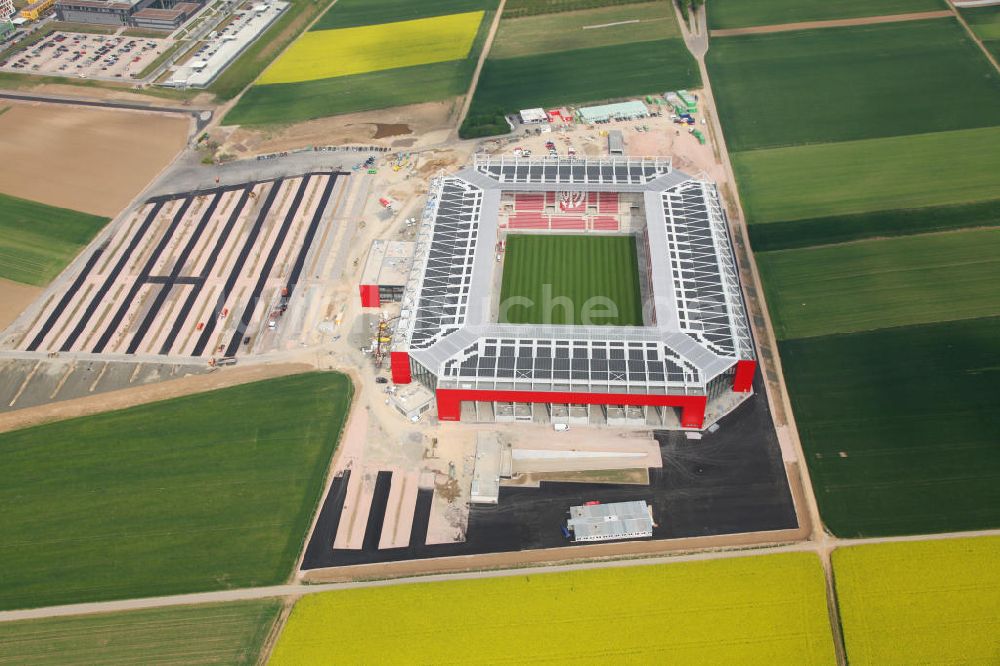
point(199, 274)
point(324, 257)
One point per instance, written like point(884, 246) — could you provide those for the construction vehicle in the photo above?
point(382, 339)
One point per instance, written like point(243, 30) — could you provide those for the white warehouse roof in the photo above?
point(607, 522)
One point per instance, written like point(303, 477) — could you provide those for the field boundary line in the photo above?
point(483, 54)
point(226, 107)
point(832, 23)
point(296, 590)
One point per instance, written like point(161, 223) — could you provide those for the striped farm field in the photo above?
point(898, 426)
point(549, 33)
point(920, 602)
point(882, 283)
point(328, 54)
point(232, 633)
point(585, 53)
point(858, 226)
point(598, 275)
point(725, 14)
point(353, 13)
point(853, 83)
point(202, 492)
point(38, 241)
point(802, 182)
point(767, 609)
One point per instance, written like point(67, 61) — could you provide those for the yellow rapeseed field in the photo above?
point(765, 610)
point(920, 602)
point(325, 54)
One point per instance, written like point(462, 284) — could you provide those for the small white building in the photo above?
point(533, 116)
point(611, 522)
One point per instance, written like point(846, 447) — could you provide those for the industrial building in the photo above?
point(533, 116)
point(37, 9)
point(689, 363)
point(148, 14)
point(611, 522)
point(386, 272)
point(631, 110)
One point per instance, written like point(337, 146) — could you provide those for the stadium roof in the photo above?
point(700, 327)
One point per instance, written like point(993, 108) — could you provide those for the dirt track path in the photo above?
point(138, 395)
point(487, 45)
point(835, 23)
point(294, 590)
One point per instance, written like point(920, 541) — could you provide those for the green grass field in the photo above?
point(749, 610)
point(898, 426)
point(551, 33)
point(844, 228)
point(574, 270)
point(585, 75)
point(205, 492)
point(297, 102)
point(38, 241)
point(882, 283)
point(863, 176)
point(843, 84)
point(353, 13)
point(208, 634)
point(985, 21)
point(724, 14)
point(518, 8)
point(927, 602)
point(267, 47)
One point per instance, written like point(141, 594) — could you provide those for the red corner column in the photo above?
point(693, 412)
point(369, 296)
point(743, 379)
point(399, 362)
point(449, 404)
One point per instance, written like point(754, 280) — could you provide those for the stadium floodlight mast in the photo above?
point(693, 352)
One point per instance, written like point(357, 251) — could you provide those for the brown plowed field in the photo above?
point(87, 159)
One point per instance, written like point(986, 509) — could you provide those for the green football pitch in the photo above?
point(592, 280)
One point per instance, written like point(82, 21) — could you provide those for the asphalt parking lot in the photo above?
point(732, 481)
point(29, 383)
point(87, 56)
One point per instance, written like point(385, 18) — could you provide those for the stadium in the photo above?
point(575, 291)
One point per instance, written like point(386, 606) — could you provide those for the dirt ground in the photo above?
point(14, 298)
point(835, 23)
point(118, 95)
point(411, 127)
point(106, 402)
point(648, 137)
point(86, 159)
